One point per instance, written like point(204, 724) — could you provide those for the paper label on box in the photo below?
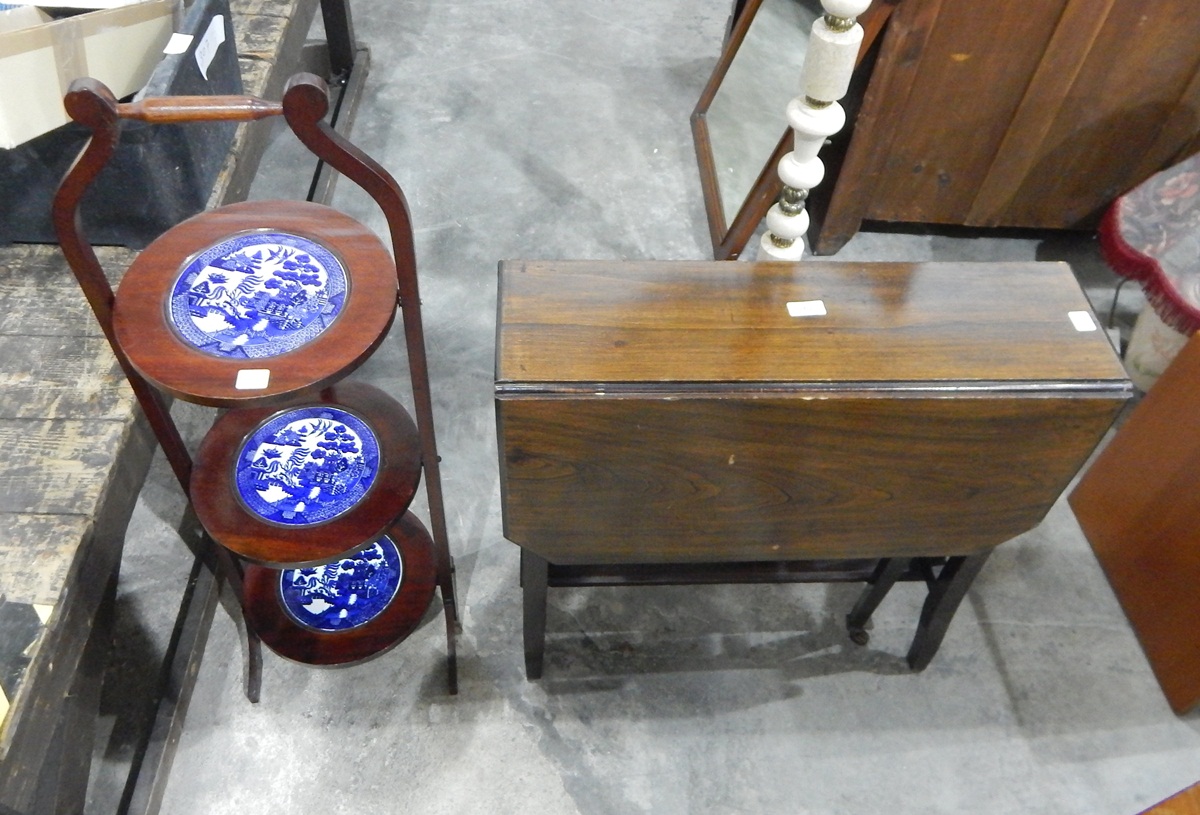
point(806, 308)
point(252, 379)
point(178, 43)
point(207, 49)
point(1082, 320)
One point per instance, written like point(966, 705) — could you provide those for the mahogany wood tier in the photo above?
point(284, 634)
point(227, 449)
point(675, 412)
point(228, 377)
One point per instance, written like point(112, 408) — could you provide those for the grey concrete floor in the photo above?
point(560, 130)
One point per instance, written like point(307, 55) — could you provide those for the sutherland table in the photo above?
point(673, 422)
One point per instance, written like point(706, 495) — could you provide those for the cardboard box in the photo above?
point(118, 46)
point(160, 173)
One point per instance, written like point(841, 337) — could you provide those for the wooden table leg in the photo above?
point(535, 578)
point(450, 612)
point(880, 583)
point(945, 594)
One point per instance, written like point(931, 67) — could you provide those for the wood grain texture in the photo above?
point(1137, 504)
point(61, 377)
point(968, 79)
point(58, 465)
point(43, 296)
point(1185, 802)
point(1029, 116)
point(709, 479)
point(36, 552)
point(647, 322)
point(673, 412)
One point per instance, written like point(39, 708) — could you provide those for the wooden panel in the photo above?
point(877, 124)
point(1186, 802)
point(710, 479)
point(972, 71)
point(1138, 505)
point(1027, 133)
point(1105, 134)
point(1031, 115)
point(589, 322)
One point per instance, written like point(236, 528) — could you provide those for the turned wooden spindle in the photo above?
point(814, 116)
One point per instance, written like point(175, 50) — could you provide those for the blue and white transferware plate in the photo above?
point(346, 594)
point(307, 466)
point(257, 294)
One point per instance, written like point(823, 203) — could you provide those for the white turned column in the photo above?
point(814, 116)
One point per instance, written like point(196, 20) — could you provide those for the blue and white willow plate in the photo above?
point(346, 594)
point(257, 294)
point(307, 466)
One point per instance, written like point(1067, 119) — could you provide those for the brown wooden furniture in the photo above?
point(1186, 802)
point(335, 329)
point(1016, 115)
point(672, 422)
point(1138, 505)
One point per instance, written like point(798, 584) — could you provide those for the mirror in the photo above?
point(740, 117)
point(739, 125)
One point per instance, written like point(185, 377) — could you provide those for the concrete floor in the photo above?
point(560, 130)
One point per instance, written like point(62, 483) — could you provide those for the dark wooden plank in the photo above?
point(47, 377)
point(60, 465)
point(1026, 135)
point(1137, 504)
point(1035, 116)
point(36, 552)
point(41, 295)
point(266, 65)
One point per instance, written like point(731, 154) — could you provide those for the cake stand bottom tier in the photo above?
point(351, 609)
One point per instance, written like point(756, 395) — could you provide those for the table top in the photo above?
point(667, 412)
point(643, 323)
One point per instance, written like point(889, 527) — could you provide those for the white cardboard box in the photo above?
point(118, 46)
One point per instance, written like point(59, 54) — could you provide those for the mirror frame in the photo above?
point(729, 239)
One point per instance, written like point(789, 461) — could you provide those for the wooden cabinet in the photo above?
point(683, 413)
point(1016, 114)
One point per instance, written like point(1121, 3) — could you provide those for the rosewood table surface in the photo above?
point(654, 417)
point(78, 450)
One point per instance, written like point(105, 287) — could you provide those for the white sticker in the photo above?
point(252, 379)
point(1082, 320)
point(207, 49)
point(178, 43)
point(806, 308)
